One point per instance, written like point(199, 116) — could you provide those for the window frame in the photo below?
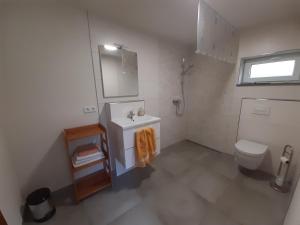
point(246, 63)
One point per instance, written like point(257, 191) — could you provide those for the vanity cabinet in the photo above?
point(125, 143)
point(122, 132)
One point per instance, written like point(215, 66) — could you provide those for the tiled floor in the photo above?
point(186, 185)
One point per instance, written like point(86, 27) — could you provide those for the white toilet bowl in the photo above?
point(250, 154)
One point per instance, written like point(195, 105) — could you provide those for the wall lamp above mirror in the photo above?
point(113, 47)
point(119, 71)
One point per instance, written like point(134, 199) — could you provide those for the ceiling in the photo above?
point(173, 19)
point(177, 19)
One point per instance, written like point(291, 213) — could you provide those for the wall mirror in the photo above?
point(119, 71)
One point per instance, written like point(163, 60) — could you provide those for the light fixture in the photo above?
point(111, 47)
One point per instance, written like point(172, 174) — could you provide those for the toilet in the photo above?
point(249, 154)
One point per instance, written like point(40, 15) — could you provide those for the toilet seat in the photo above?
point(250, 148)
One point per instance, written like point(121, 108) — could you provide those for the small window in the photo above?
point(281, 68)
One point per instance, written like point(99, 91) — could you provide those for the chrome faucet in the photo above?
point(131, 115)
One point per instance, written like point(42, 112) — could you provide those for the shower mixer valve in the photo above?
point(177, 100)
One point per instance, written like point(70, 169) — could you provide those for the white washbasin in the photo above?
point(126, 123)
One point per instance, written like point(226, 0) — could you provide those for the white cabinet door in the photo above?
point(130, 155)
point(129, 158)
point(129, 135)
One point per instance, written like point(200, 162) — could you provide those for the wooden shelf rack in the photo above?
point(99, 180)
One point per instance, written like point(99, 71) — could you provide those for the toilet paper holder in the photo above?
point(279, 183)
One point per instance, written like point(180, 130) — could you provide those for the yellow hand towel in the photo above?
point(145, 146)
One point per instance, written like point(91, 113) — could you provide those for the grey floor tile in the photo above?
point(107, 206)
point(139, 215)
point(214, 216)
point(205, 159)
point(226, 165)
point(155, 182)
point(186, 150)
point(181, 146)
point(132, 179)
point(209, 185)
point(263, 187)
point(173, 164)
point(250, 207)
point(175, 204)
point(190, 175)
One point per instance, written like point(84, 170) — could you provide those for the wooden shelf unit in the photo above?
point(2, 219)
point(99, 180)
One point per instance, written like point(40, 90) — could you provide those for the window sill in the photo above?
point(269, 84)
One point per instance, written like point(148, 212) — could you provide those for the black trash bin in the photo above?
point(40, 205)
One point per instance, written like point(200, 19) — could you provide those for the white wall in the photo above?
point(214, 100)
point(270, 38)
point(49, 79)
point(10, 196)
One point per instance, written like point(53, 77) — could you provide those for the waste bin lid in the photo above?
point(38, 196)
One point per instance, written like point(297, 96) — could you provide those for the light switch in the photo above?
point(89, 109)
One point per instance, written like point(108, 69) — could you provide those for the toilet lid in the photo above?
point(251, 148)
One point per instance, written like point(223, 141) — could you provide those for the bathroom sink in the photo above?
point(127, 123)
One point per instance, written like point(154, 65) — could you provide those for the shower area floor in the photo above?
point(187, 184)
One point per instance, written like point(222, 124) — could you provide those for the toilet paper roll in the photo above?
point(284, 159)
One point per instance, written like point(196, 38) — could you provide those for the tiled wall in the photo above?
point(173, 127)
point(159, 73)
point(214, 100)
point(211, 117)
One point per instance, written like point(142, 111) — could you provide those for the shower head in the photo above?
point(185, 69)
point(183, 62)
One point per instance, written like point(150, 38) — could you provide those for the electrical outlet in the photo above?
point(89, 109)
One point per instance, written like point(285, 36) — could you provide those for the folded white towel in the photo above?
point(78, 163)
point(79, 158)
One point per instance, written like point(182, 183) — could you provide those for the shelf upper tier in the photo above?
point(83, 132)
point(87, 165)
